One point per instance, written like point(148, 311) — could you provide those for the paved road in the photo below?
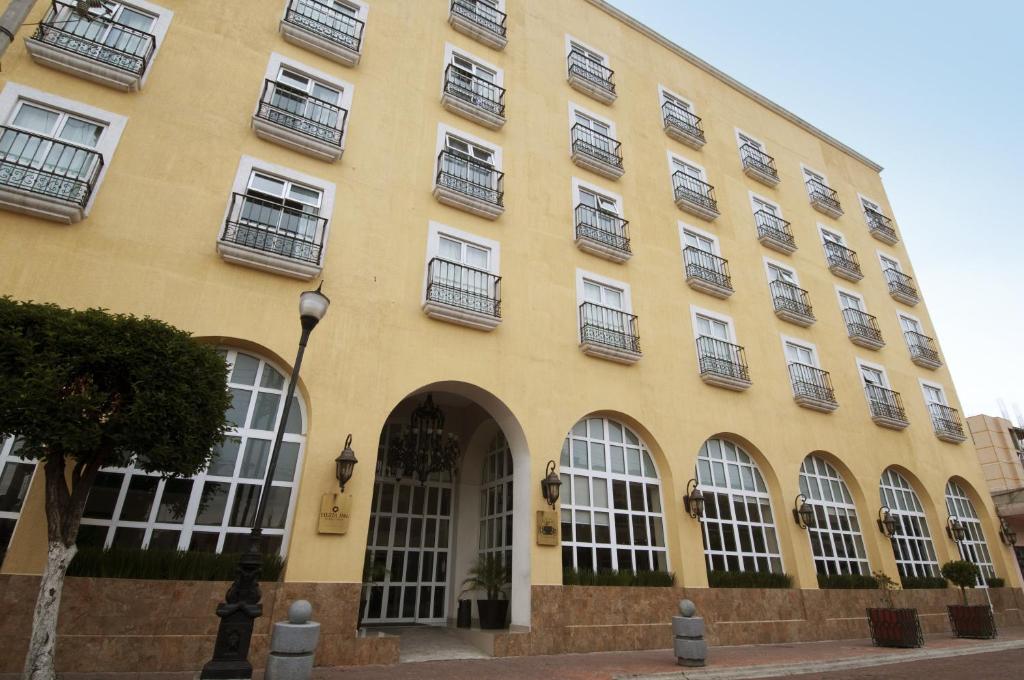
point(1008, 665)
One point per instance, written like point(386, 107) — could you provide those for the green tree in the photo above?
point(963, 574)
point(90, 389)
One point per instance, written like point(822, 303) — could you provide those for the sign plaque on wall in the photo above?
point(335, 511)
point(547, 527)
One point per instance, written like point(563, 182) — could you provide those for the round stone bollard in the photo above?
point(690, 648)
point(292, 644)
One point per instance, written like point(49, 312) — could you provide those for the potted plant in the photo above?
point(968, 621)
point(892, 626)
point(490, 575)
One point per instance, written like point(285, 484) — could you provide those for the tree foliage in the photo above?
point(962, 574)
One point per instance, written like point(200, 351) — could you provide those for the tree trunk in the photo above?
point(39, 662)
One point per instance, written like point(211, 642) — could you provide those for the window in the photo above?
point(483, 20)
point(473, 89)
point(973, 548)
point(475, 261)
point(738, 523)
point(688, 169)
point(462, 282)
point(763, 206)
point(889, 263)
point(15, 478)
point(813, 177)
point(496, 501)
point(870, 205)
point(587, 62)
point(468, 167)
point(608, 329)
point(330, 27)
point(713, 328)
point(58, 143)
point(306, 97)
point(692, 239)
point(603, 295)
point(282, 207)
point(800, 354)
point(835, 535)
point(114, 25)
point(749, 142)
point(849, 301)
point(612, 516)
point(210, 512)
point(912, 543)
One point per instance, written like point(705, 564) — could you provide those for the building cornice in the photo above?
point(732, 82)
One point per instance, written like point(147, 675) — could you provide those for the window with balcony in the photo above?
point(468, 177)
point(589, 73)
point(594, 146)
point(473, 90)
point(862, 327)
point(462, 284)
point(812, 387)
point(692, 192)
point(772, 231)
point(303, 113)
point(681, 123)
point(841, 260)
point(879, 225)
point(901, 286)
point(721, 362)
point(790, 301)
point(600, 228)
point(608, 329)
point(757, 164)
point(706, 270)
point(331, 28)
point(945, 419)
point(922, 348)
point(824, 198)
point(114, 46)
point(482, 20)
point(886, 405)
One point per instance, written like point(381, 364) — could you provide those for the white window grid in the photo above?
point(973, 548)
point(912, 543)
point(213, 510)
point(738, 522)
point(496, 501)
point(15, 478)
point(612, 516)
point(835, 535)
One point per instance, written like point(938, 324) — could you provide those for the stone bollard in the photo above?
point(292, 644)
point(690, 648)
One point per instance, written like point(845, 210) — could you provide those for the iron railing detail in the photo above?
point(823, 193)
point(789, 297)
point(946, 419)
point(758, 160)
point(594, 144)
point(327, 22)
point(770, 225)
point(921, 346)
point(885, 403)
point(609, 327)
point(48, 167)
point(107, 42)
point(470, 177)
point(481, 14)
point(841, 257)
point(272, 227)
point(592, 71)
point(475, 90)
point(302, 113)
point(880, 223)
point(683, 120)
point(603, 227)
point(722, 358)
point(812, 382)
point(900, 283)
point(694, 190)
point(456, 285)
point(862, 325)
point(707, 266)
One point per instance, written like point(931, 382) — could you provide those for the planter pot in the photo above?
point(972, 621)
point(464, 618)
point(493, 613)
point(895, 627)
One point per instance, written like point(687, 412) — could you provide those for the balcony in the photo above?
point(275, 238)
point(863, 329)
point(300, 122)
point(886, 407)
point(602, 233)
point(722, 364)
point(695, 196)
point(682, 125)
point(901, 287)
point(474, 98)
point(596, 152)
point(591, 77)
point(46, 178)
point(812, 388)
point(468, 184)
point(843, 262)
point(462, 295)
point(881, 227)
point(824, 198)
point(102, 51)
point(479, 21)
point(707, 272)
point(947, 423)
point(323, 29)
point(774, 232)
point(791, 303)
point(758, 165)
point(609, 334)
point(922, 350)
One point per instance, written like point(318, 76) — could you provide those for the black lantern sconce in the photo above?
point(1006, 534)
point(550, 485)
point(345, 463)
point(887, 522)
point(693, 501)
point(803, 514)
point(956, 530)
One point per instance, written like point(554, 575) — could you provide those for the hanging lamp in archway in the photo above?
point(423, 448)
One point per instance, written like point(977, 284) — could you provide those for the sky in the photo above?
point(932, 91)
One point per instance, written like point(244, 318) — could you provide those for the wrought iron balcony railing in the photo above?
point(774, 227)
point(474, 90)
point(707, 266)
point(302, 113)
point(603, 227)
point(271, 227)
point(862, 325)
point(791, 298)
point(609, 327)
point(592, 71)
point(694, 190)
point(824, 194)
point(841, 257)
point(327, 22)
point(470, 177)
point(596, 145)
point(946, 420)
point(877, 222)
point(900, 283)
point(683, 120)
point(885, 403)
point(102, 40)
point(48, 167)
point(722, 358)
point(812, 382)
point(758, 160)
point(483, 15)
point(456, 285)
point(921, 347)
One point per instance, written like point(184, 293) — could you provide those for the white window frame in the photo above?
point(740, 142)
point(935, 386)
point(664, 93)
point(754, 197)
point(806, 344)
point(961, 507)
point(804, 169)
point(822, 228)
point(840, 508)
point(451, 50)
point(673, 156)
point(716, 245)
point(860, 202)
point(877, 367)
point(8, 455)
point(899, 317)
point(853, 294)
point(569, 40)
point(435, 230)
point(882, 257)
point(347, 89)
point(442, 134)
point(696, 311)
point(575, 108)
point(913, 517)
point(769, 263)
point(590, 187)
point(584, 275)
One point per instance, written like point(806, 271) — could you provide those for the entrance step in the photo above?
point(436, 643)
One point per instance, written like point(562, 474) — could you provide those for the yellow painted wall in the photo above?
point(148, 247)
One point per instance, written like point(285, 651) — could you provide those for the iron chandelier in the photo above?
point(423, 447)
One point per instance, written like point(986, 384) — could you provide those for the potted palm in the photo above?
point(491, 576)
point(967, 620)
point(893, 626)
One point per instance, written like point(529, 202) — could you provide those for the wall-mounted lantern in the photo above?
point(345, 463)
point(693, 501)
point(550, 485)
point(803, 513)
point(1006, 534)
point(955, 529)
point(887, 522)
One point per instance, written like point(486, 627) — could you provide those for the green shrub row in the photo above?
point(912, 582)
point(847, 581)
point(611, 577)
point(996, 582)
point(748, 579)
point(167, 565)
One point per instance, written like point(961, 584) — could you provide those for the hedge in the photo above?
point(748, 579)
point(169, 565)
point(921, 582)
point(847, 581)
point(611, 577)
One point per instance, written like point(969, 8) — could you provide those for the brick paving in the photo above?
point(993, 666)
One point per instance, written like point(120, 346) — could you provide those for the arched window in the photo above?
point(912, 543)
point(973, 548)
point(496, 501)
point(612, 514)
point(739, 529)
point(15, 476)
point(835, 535)
point(210, 512)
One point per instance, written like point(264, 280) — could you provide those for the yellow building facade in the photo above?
point(584, 243)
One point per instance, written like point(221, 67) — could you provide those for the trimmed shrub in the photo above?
point(996, 582)
point(748, 579)
point(922, 582)
point(847, 581)
point(165, 565)
point(611, 577)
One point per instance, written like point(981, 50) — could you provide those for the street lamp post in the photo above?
point(241, 606)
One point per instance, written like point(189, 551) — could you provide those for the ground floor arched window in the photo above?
point(973, 548)
point(912, 543)
point(835, 534)
point(15, 477)
point(496, 501)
